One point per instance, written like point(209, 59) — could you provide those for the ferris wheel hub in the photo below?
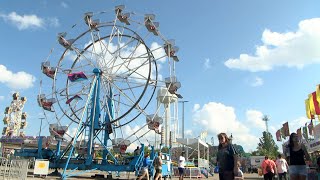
point(97, 71)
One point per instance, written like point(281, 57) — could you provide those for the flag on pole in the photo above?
point(318, 92)
point(76, 97)
point(311, 104)
point(282, 133)
point(77, 76)
point(310, 128)
point(305, 132)
point(315, 103)
point(278, 135)
point(286, 129)
point(308, 111)
point(299, 133)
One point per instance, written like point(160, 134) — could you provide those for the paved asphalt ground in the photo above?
point(132, 177)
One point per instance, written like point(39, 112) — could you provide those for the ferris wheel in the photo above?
point(15, 118)
point(104, 82)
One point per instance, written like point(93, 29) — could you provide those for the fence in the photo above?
point(189, 172)
point(13, 169)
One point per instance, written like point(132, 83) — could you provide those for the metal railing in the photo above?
point(13, 169)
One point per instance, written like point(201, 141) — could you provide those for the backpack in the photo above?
point(268, 167)
point(156, 162)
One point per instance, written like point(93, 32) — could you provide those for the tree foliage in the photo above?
point(267, 146)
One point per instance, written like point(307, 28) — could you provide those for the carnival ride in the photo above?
point(100, 96)
point(14, 117)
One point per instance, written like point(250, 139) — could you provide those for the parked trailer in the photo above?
point(255, 162)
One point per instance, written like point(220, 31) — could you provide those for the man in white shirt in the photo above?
point(282, 167)
point(181, 165)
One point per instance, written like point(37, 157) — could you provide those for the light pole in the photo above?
point(182, 123)
point(182, 128)
point(266, 119)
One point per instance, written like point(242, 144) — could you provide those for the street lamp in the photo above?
point(182, 128)
point(182, 123)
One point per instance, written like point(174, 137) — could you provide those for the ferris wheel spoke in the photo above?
point(95, 52)
point(127, 61)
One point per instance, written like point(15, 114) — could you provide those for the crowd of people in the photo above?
point(292, 164)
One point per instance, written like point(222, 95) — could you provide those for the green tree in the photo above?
point(267, 146)
point(240, 150)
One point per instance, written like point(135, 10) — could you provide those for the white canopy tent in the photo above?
point(198, 146)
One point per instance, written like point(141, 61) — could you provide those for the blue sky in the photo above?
point(239, 60)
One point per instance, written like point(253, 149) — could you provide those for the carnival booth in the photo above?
point(200, 165)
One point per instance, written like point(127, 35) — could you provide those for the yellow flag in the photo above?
point(307, 108)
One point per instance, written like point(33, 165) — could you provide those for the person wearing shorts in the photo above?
point(181, 165)
point(158, 166)
point(297, 155)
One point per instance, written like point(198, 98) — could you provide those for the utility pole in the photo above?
point(182, 126)
point(266, 119)
point(182, 123)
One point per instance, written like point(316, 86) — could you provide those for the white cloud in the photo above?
point(216, 118)
point(64, 5)
point(19, 80)
point(257, 82)
point(1, 98)
point(23, 22)
point(53, 22)
point(290, 49)
point(207, 64)
point(196, 107)
point(254, 119)
point(189, 133)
